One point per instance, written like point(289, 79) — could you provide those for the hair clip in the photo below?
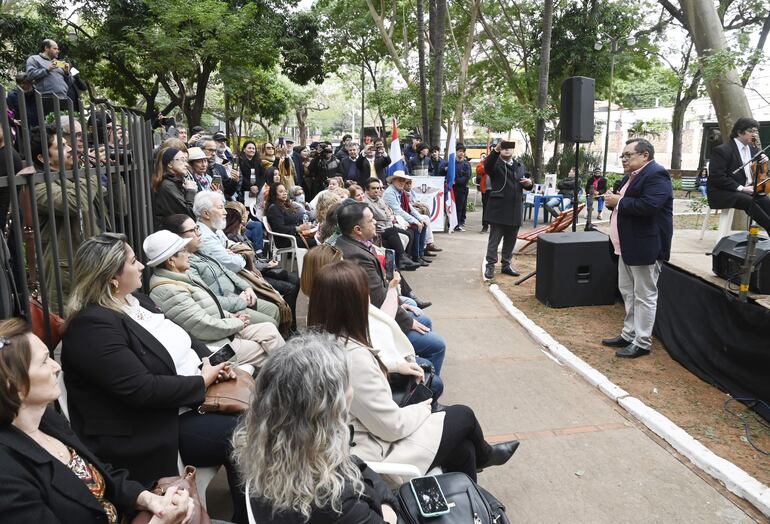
point(4, 341)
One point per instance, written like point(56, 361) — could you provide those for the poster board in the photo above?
point(429, 190)
point(549, 185)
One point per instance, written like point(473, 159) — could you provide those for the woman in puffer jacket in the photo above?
point(187, 301)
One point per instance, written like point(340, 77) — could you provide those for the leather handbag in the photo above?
point(230, 396)
point(404, 386)
point(468, 503)
point(184, 481)
point(37, 314)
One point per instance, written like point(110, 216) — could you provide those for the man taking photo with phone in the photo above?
point(508, 178)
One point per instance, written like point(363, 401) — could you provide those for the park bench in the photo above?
point(688, 185)
point(560, 223)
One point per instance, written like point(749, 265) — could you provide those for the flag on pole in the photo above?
point(396, 161)
point(449, 192)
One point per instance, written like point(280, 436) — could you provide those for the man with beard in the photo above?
point(209, 208)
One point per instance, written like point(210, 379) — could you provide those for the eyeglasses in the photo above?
point(269, 147)
point(197, 229)
point(626, 156)
point(212, 149)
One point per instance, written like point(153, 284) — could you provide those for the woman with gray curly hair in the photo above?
point(292, 447)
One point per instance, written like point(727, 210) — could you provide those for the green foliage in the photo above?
point(649, 128)
point(656, 87)
point(302, 49)
point(699, 204)
point(565, 160)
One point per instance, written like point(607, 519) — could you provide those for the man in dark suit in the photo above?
point(641, 227)
point(358, 227)
point(370, 165)
point(508, 178)
point(727, 189)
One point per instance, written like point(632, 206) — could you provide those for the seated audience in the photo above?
point(383, 431)
point(44, 467)
point(67, 205)
point(399, 203)
point(284, 218)
point(209, 207)
point(190, 304)
point(172, 192)
point(292, 446)
point(297, 195)
point(410, 198)
point(357, 225)
point(233, 293)
point(332, 184)
point(134, 378)
point(241, 229)
point(396, 352)
point(387, 226)
point(355, 192)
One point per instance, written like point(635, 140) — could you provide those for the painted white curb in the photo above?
point(734, 478)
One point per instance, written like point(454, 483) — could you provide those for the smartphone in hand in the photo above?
point(223, 354)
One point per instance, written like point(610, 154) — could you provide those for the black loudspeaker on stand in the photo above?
point(729, 255)
point(577, 109)
point(575, 269)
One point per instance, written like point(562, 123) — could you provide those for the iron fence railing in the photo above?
point(63, 197)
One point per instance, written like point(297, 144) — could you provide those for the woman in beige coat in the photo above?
point(383, 431)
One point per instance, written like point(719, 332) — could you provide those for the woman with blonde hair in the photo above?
point(172, 191)
point(292, 447)
point(134, 378)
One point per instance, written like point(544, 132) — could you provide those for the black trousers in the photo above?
point(484, 200)
point(391, 240)
point(758, 209)
point(461, 199)
point(204, 440)
point(508, 235)
point(462, 446)
point(287, 284)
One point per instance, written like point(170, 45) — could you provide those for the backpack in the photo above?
point(469, 503)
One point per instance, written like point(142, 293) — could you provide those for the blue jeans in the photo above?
point(429, 346)
point(418, 246)
point(702, 190)
point(255, 234)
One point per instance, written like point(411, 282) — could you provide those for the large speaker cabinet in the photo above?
point(575, 269)
point(729, 254)
point(577, 109)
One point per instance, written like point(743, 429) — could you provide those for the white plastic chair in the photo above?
point(297, 253)
point(725, 222)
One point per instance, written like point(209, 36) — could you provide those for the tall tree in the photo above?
point(438, 44)
point(423, 83)
point(542, 88)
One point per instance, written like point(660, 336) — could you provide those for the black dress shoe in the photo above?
point(489, 272)
point(631, 351)
point(426, 260)
point(427, 253)
point(508, 270)
point(484, 229)
point(617, 342)
point(501, 453)
point(422, 304)
point(419, 262)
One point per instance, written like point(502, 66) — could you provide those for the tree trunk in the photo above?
point(301, 113)
point(683, 100)
point(725, 89)
point(438, 30)
point(421, 58)
point(542, 90)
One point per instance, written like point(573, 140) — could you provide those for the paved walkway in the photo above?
point(580, 460)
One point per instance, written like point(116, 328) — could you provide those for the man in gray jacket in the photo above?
point(50, 75)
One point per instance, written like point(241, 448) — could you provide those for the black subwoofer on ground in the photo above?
point(575, 269)
point(577, 109)
point(728, 257)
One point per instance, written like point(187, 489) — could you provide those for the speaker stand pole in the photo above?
point(577, 188)
point(525, 278)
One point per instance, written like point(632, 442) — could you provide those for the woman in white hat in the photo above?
point(199, 165)
point(189, 303)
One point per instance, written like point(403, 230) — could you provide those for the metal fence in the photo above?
point(55, 206)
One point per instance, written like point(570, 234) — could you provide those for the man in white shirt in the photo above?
point(209, 208)
point(730, 189)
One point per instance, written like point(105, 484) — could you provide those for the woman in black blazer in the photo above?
point(47, 475)
point(132, 376)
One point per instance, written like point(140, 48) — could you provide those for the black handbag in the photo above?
point(404, 386)
point(468, 503)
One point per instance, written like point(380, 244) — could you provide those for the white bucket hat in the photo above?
point(195, 153)
point(162, 245)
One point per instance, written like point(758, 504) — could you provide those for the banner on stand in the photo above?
point(430, 192)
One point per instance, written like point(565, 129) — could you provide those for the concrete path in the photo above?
point(580, 460)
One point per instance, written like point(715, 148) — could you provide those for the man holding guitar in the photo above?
point(729, 185)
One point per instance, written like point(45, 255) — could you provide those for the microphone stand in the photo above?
point(753, 236)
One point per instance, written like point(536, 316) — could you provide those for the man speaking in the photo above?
point(641, 227)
